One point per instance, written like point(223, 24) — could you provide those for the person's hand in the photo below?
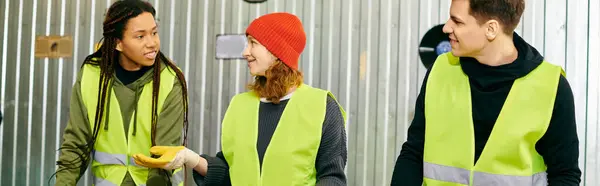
point(171, 157)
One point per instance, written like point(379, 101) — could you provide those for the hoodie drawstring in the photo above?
point(135, 108)
point(107, 110)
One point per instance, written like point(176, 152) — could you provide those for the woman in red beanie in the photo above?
point(282, 131)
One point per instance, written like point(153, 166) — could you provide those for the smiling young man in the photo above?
point(492, 112)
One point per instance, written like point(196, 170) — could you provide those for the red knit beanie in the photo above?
point(282, 34)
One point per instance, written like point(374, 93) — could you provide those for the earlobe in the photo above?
point(490, 35)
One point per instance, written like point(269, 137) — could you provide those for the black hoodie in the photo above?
point(489, 88)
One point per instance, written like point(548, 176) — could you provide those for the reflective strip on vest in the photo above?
point(461, 176)
point(102, 182)
point(446, 173)
point(110, 159)
point(480, 178)
point(132, 162)
point(177, 178)
point(113, 159)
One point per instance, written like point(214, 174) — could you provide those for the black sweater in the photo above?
point(489, 88)
point(331, 156)
point(126, 77)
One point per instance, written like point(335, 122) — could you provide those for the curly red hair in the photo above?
point(277, 82)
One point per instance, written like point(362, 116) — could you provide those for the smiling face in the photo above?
point(140, 43)
point(258, 57)
point(467, 36)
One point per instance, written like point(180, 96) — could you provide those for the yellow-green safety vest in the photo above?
point(509, 157)
point(291, 154)
point(112, 150)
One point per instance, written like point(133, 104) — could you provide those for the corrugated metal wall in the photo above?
point(364, 51)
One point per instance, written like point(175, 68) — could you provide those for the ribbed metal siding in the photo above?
point(364, 51)
point(33, 95)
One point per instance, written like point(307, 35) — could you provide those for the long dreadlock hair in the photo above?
point(114, 25)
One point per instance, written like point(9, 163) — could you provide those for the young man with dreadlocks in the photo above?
point(282, 132)
point(128, 97)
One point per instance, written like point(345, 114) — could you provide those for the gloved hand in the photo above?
point(171, 157)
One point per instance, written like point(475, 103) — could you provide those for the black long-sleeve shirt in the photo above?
point(331, 156)
point(489, 88)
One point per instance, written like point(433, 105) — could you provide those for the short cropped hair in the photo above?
point(507, 12)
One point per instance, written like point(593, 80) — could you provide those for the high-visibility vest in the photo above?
point(509, 157)
point(290, 156)
point(112, 150)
